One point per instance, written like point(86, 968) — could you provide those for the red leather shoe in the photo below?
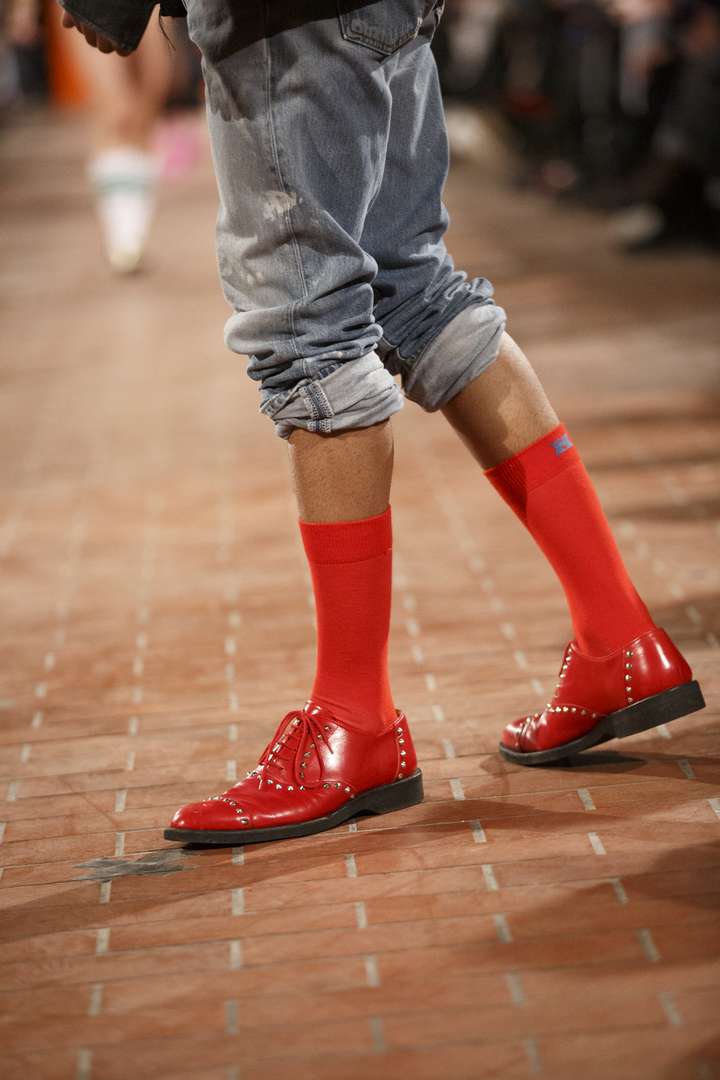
point(640, 686)
point(314, 774)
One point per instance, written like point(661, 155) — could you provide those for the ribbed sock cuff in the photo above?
point(347, 541)
point(538, 462)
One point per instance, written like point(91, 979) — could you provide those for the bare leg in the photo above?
point(342, 477)
point(503, 410)
point(126, 93)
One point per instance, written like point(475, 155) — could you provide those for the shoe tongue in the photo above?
point(283, 750)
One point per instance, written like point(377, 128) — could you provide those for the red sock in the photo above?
point(548, 488)
point(351, 565)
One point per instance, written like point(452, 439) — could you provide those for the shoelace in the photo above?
point(296, 731)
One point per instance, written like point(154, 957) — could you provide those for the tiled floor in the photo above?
point(560, 922)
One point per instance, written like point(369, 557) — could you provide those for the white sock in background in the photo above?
point(124, 179)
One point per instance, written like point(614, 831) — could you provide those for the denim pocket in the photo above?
point(383, 25)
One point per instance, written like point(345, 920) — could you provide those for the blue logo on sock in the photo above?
point(562, 444)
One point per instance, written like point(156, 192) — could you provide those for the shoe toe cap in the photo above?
point(208, 814)
point(512, 734)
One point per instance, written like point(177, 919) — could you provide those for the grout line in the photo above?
point(130, 762)
point(3, 827)
point(231, 770)
point(619, 889)
point(715, 806)
point(96, 998)
point(520, 659)
point(25, 752)
point(105, 889)
point(372, 971)
point(351, 866)
point(448, 748)
point(232, 733)
point(361, 915)
point(236, 957)
point(502, 928)
point(378, 1034)
point(120, 800)
point(238, 856)
point(537, 687)
point(37, 719)
point(686, 768)
point(669, 1007)
point(430, 682)
point(533, 1055)
point(12, 790)
point(596, 844)
point(231, 1017)
point(648, 945)
point(238, 901)
point(586, 798)
point(457, 789)
point(663, 731)
point(352, 827)
point(102, 940)
point(478, 832)
point(83, 1069)
point(515, 987)
point(119, 844)
point(491, 882)
point(438, 714)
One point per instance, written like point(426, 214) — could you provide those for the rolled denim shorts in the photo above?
point(330, 150)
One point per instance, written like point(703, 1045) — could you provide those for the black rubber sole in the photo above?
point(643, 715)
point(380, 800)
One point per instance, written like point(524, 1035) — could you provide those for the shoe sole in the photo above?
point(643, 715)
point(380, 800)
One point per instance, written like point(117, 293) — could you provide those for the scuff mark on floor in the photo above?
point(153, 862)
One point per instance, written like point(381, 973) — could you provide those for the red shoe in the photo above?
point(314, 774)
point(640, 686)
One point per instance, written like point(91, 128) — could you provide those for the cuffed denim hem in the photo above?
point(357, 394)
point(462, 350)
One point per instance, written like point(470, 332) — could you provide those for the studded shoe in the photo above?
point(640, 686)
point(314, 774)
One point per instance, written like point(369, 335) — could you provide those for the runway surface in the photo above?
point(157, 624)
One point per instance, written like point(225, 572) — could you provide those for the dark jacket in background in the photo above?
point(122, 21)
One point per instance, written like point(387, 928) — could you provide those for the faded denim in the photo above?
point(330, 150)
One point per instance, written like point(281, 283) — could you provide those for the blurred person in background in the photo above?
point(126, 98)
point(615, 102)
point(675, 193)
